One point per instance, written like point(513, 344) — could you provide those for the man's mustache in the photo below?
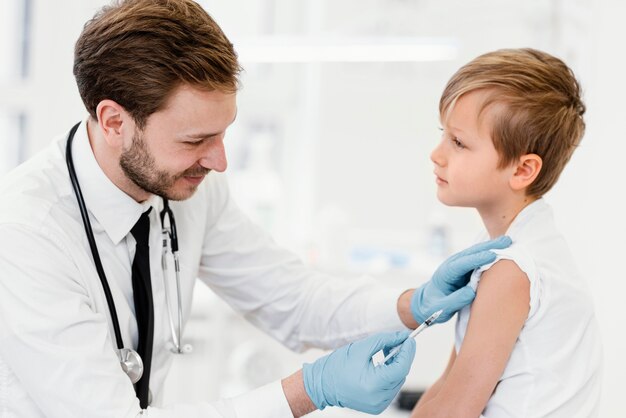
point(195, 172)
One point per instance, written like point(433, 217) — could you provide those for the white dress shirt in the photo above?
point(57, 348)
point(554, 370)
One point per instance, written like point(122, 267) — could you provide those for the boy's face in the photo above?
point(466, 161)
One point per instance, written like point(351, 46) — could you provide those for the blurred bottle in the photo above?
point(438, 242)
point(258, 187)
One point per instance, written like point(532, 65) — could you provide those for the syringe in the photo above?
point(413, 334)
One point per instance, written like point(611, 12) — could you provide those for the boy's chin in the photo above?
point(452, 202)
point(445, 199)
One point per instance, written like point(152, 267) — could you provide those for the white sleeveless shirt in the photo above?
point(555, 367)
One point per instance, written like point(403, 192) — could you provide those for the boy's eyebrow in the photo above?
point(464, 135)
point(454, 128)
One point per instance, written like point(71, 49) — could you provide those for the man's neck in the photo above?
point(108, 159)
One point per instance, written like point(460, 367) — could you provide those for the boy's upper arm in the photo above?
point(433, 390)
point(497, 315)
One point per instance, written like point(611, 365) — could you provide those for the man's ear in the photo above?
point(526, 171)
point(116, 125)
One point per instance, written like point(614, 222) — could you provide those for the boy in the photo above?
point(529, 345)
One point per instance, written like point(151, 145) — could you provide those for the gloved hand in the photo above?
point(348, 378)
point(447, 288)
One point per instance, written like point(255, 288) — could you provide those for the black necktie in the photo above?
point(144, 309)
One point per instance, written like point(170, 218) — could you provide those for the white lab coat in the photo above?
point(57, 350)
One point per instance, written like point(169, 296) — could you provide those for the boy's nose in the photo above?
point(437, 155)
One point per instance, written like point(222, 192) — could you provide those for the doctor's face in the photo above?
point(180, 143)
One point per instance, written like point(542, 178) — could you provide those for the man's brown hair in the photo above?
point(136, 52)
point(538, 107)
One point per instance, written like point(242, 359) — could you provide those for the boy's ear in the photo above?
point(526, 171)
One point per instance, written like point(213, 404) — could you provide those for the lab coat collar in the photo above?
point(115, 211)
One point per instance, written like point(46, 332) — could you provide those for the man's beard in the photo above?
point(140, 167)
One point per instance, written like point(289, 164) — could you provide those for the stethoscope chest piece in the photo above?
point(131, 364)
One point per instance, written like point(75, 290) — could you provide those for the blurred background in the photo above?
point(330, 151)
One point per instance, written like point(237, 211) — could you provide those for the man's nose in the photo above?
point(214, 156)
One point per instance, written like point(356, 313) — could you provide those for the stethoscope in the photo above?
point(129, 359)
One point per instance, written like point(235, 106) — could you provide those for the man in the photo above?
point(81, 281)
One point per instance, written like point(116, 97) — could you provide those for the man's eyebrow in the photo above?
point(200, 135)
point(203, 135)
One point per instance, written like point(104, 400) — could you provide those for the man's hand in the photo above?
point(348, 378)
point(447, 289)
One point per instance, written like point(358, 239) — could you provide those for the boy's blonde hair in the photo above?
point(540, 110)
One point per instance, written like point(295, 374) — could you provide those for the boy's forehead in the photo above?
point(480, 106)
point(472, 116)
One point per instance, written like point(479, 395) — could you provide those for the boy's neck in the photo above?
point(497, 218)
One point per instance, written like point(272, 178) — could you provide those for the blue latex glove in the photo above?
point(447, 289)
point(348, 378)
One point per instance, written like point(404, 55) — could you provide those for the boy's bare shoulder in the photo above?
point(504, 279)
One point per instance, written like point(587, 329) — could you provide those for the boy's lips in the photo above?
point(439, 180)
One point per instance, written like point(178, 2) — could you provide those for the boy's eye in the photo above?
point(457, 143)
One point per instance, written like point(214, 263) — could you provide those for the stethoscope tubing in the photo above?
point(131, 362)
point(91, 239)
